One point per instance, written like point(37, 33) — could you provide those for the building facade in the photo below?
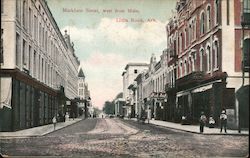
point(205, 60)
point(84, 95)
point(130, 73)
point(38, 66)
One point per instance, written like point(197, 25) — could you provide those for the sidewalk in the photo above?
point(195, 128)
point(38, 131)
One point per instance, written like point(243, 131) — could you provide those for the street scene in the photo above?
point(127, 78)
point(105, 137)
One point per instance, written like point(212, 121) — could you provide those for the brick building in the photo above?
point(205, 61)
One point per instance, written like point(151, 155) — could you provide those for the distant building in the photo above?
point(38, 66)
point(130, 73)
point(84, 94)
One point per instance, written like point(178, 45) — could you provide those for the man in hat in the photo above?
point(223, 121)
point(202, 120)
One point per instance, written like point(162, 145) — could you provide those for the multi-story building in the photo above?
point(81, 85)
point(150, 89)
point(205, 61)
point(130, 73)
point(84, 94)
point(38, 66)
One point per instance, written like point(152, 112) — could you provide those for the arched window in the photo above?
point(215, 55)
point(185, 67)
point(185, 38)
point(202, 23)
point(216, 12)
point(208, 54)
point(180, 69)
point(194, 28)
point(203, 60)
point(190, 32)
point(180, 43)
point(208, 17)
point(190, 68)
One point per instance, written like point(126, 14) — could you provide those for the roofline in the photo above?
point(136, 64)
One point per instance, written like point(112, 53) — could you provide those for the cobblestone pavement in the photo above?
point(125, 138)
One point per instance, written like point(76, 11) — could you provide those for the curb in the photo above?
point(226, 134)
point(40, 135)
point(60, 128)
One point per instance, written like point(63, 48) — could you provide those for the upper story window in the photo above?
point(190, 32)
point(80, 84)
point(208, 54)
point(2, 3)
point(215, 55)
point(201, 59)
point(24, 13)
point(208, 17)
point(18, 10)
point(246, 6)
point(135, 71)
point(194, 28)
point(216, 11)
point(180, 43)
point(1, 51)
point(202, 23)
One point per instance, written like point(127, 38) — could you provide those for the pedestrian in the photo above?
point(223, 121)
point(54, 122)
point(211, 122)
point(202, 120)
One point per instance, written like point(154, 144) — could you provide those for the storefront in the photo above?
point(31, 103)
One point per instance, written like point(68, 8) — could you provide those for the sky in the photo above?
point(108, 34)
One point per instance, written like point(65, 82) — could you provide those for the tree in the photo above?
point(109, 107)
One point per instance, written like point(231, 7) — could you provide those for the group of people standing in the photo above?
point(223, 121)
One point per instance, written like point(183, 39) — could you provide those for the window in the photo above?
point(24, 53)
point(30, 59)
point(185, 39)
point(24, 13)
point(202, 24)
point(201, 59)
point(216, 10)
point(46, 46)
point(208, 58)
point(180, 69)
point(208, 18)
point(228, 10)
point(42, 77)
point(30, 21)
point(81, 92)
point(194, 28)
point(35, 27)
point(190, 65)
point(40, 33)
point(135, 71)
point(185, 67)
point(34, 64)
point(215, 55)
point(1, 51)
point(246, 6)
point(18, 55)
point(180, 43)
point(190, 32)
point(18, 10)
point(80, 84)
point(2, 3)
point(246, 54)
